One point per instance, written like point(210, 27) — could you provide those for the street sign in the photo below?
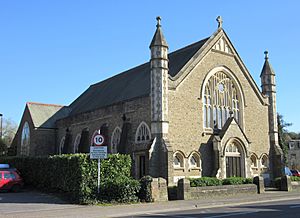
point(98, 139)
point(98, 152)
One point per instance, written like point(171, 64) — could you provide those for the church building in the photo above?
point(190, 113)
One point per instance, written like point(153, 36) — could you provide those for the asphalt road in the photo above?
point(286, 209)
point(29, 204)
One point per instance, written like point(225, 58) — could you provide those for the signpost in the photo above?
point(98, 152)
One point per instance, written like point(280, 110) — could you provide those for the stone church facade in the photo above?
point(191, 113)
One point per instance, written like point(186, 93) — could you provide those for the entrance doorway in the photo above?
point(142, 166)
point(234, 161)
point(233, 167)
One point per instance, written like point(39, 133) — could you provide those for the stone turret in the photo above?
point(268, 86)
point(159, 82)
point(158, 166)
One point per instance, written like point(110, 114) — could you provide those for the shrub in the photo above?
point(75, 175)
point(205, 181)
point(295, 178)
point(237, 181)
point(145, 192)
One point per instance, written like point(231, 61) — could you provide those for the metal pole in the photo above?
point(99, 175)
point(1, 126)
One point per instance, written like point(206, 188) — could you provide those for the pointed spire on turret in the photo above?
point(158, 38)
point(267, 68)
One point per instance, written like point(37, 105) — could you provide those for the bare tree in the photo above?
point(9, 129)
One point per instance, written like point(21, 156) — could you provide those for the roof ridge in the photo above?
point(140, 65)
point(119, 74)
point(43, 104)
point(189, 46)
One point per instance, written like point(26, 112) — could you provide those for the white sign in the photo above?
point(98, 140)
point(98, 152)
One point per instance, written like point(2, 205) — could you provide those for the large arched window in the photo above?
point(220, 97)
point(115, 139)
point(25, 139)
point(62, 145)
point(76, 143)
point(143, 133)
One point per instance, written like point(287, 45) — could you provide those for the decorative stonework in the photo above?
point(223, 46)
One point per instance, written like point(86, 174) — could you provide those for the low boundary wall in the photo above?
point(186, 192)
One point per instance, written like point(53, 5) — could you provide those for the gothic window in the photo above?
point(264, 161)
point(253, 160)
point(76, 143)
point(220, 97)
point(194, 160)
point(178, 160)
point(25, 139)
point(115, 139)
point(61, 145)
point(143, 133)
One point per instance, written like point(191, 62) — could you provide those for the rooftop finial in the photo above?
point(220, 21)
point(266, 55)
point(158, 18)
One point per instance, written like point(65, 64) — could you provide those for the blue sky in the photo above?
point(52, 50)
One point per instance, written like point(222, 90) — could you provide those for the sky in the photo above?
point(53, 50)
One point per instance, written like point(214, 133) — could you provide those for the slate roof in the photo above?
point(129, 84)
point(45, 115)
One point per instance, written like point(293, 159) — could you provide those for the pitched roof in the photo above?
point(45, 115)
point(129, 84)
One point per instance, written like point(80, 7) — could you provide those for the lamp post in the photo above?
point(1, 126)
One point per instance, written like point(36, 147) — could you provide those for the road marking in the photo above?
point(230, 214)
point(295, 206)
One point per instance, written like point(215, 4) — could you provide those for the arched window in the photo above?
point(115, 139)
point(25, 139)
point(178, 160)
point(253, 160)
point(143, 133)
point(76, 143)
point(61, 145)
point(264, 161)
point(194, 160)
point(220, 97)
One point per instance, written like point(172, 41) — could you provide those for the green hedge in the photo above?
point(205, 181)
point(75, 175)
point(145, 192)
point(213, 181)
point(295, 178)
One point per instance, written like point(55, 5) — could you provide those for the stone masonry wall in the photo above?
point(186, 132)
point(136, 110)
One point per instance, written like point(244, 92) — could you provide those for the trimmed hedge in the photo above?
point(295, 178)
point(205, 181)
point(213, 181)
point(75, 175)
point(146, 192)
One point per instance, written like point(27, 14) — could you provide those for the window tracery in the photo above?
point(25, 139)
point(115, 139)
point(220, 97)
point(143, 133)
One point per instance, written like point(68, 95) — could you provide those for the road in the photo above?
point(286, 209)
point(29, 204)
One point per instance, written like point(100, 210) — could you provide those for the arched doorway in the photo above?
point(235, 161)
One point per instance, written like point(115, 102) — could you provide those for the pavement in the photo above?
point(68, 210)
